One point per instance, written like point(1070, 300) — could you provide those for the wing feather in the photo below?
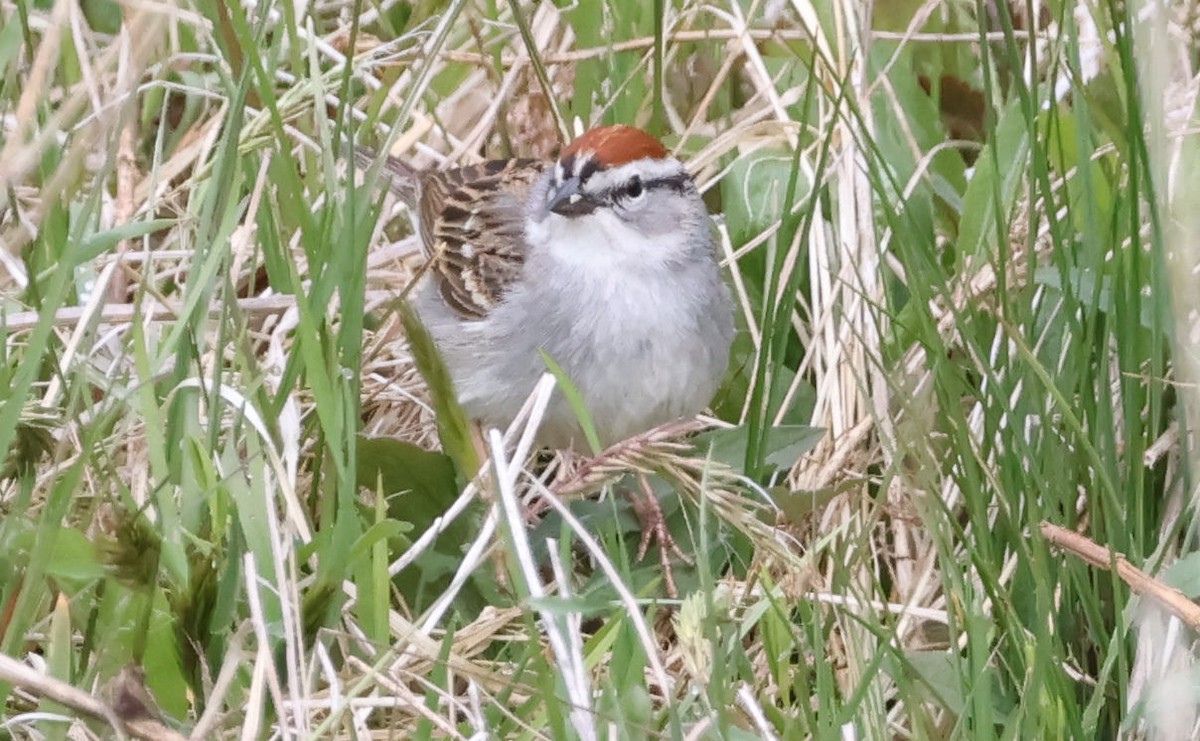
point(472, 226)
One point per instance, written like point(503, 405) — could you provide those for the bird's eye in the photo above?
point(634, 188)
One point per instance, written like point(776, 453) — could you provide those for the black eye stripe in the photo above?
point(678, 183)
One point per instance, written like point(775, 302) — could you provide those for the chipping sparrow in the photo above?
point(604, 259)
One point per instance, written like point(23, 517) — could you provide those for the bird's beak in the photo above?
point(567, 201)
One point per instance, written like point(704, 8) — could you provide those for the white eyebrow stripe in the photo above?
point(647, 168)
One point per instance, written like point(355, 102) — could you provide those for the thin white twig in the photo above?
point(573, 673)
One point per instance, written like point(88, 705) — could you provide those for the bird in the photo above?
point(605, 259)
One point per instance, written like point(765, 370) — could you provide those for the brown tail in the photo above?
point(401, 176)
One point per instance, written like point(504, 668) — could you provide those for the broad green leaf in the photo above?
point(419, 486)
point(10, 45)
point(75, 558)
point(798, 505)
point(977, 231)
point(104, 16)
point(784, 444)
point(939, 672)
point(1184, 575)
point(423, 477)
point(753, 192)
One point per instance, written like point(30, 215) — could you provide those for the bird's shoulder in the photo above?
point(472, 228)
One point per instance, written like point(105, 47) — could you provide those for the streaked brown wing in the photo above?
point(472, 223)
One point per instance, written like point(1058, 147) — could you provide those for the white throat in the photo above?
point(600, 240)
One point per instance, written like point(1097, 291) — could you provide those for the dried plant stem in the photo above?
point(1170, 599)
